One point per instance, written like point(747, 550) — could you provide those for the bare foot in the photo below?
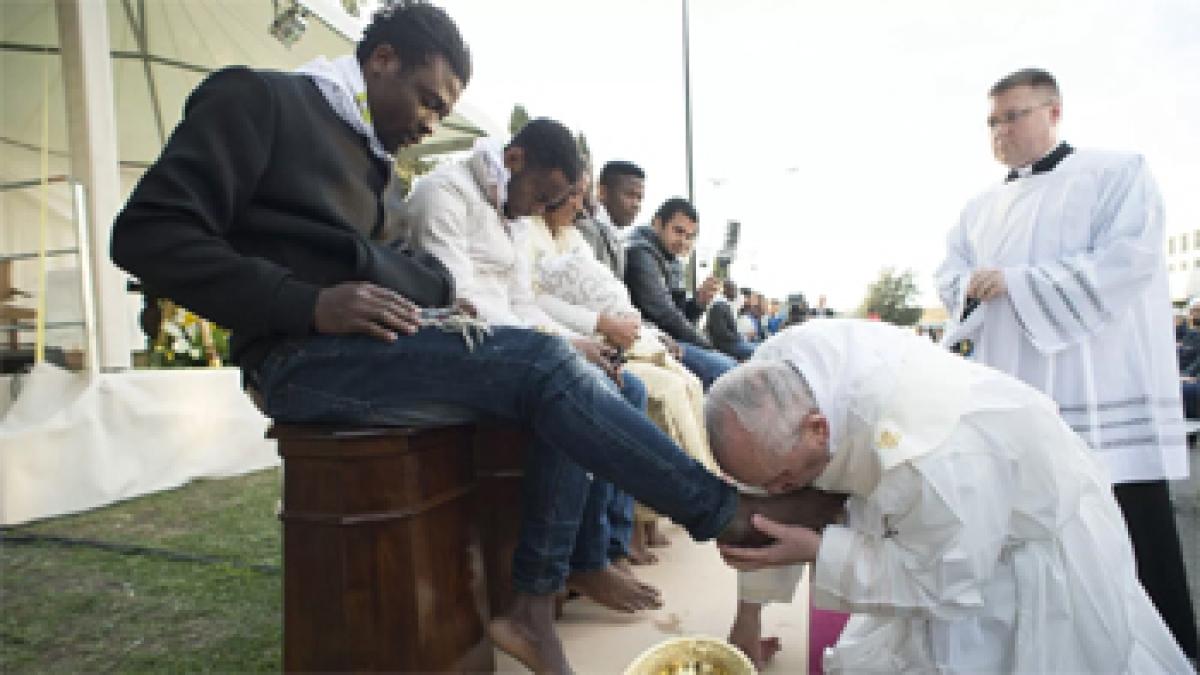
point(654, 537)
point(615, 590)
point(625, 569)
point(809, 507)
point(527, 634)
point(561, 599)
point(639, 552)
point(762, 653)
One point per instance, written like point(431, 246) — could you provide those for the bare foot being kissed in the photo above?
point(809, 507)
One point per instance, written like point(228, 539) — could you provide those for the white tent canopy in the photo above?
point(161, 49)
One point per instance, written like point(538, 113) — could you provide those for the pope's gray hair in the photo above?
point(768, 399)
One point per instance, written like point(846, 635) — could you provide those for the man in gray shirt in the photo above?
point(620, 192)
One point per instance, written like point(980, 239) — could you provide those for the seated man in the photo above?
point(721, 324)
point(470, 214)
point(983, 535)
point(654, 276)
point(775, 317)
point(260, 215)
point(619, 191)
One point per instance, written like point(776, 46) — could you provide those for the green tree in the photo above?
point(518, 119)
point(891, 297)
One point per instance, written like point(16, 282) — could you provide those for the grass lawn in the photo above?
point(192, 583)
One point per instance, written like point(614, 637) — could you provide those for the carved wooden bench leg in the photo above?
point(499, 465)
point(383, 569)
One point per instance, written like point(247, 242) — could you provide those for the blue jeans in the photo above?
point(743, 350)
point(705, 364)
point(619, 514)
point(600, 523)
point(620, 523)
point(564, 512)
point(578, 419)
point(607, 510)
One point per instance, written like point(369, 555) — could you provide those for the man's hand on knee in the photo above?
point(363, 308)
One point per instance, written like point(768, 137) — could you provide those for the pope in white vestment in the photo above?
point(981, 533)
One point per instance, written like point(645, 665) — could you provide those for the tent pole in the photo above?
point(92, 133)
point(687, 113)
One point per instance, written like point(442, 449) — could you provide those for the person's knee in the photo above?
point(707, 364)
point(553, 364)
point(723, 362)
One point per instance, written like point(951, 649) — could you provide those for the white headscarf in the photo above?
point(488, 156)
point(341, 82)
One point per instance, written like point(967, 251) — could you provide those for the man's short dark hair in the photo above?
point(1026, 77)
point(673, 206)
point(617, 168)
point(549, 145)
point(417, 31)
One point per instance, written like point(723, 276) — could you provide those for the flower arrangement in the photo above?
point(185, 340)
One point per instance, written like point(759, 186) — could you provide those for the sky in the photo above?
point(844, 136)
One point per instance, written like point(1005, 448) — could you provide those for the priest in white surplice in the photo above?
point(981, 533)
point(1057, 276)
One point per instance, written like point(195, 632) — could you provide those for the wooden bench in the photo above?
point(499, 458)
point(397, 545)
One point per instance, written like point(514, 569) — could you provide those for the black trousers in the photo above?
point(1151, 523)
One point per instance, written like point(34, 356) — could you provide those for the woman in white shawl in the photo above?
point(982, 533)
point(579, 292)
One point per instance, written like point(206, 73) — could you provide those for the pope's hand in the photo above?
point(986, 284)
point(793, 544)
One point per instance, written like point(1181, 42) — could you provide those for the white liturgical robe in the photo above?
point(982, 534)
point(1086, 318)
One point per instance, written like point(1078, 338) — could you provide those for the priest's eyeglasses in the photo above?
point(1010, 117)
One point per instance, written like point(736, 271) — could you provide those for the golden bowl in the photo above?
point(695, 655)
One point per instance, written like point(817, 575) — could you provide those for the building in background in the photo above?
point(1183, 264)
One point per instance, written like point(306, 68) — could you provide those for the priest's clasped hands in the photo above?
point(986, 284)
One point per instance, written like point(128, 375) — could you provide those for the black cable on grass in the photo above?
point(8, 537)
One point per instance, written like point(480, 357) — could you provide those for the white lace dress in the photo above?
point(574, 289)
